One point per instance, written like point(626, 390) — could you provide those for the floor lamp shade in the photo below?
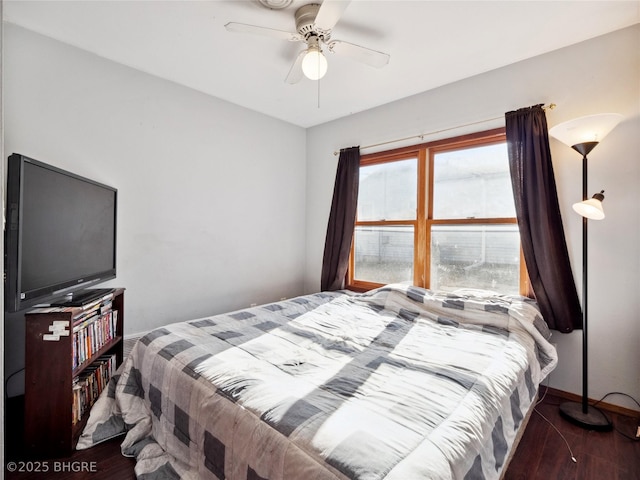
point(583, 134)
point(588, 129)
point(592, 208)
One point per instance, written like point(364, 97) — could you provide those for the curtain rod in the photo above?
point(551, 106)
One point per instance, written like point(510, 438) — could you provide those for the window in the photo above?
point(439, 215)
point(386, 225)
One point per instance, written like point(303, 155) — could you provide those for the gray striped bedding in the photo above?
point(399, 383)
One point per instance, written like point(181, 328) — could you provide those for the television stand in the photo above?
point(70, 354)
point(81, 297)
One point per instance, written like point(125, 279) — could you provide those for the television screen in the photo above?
point(60, 234)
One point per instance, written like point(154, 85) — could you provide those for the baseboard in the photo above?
point(609, 407)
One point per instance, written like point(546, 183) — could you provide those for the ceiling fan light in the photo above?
point(314, 64)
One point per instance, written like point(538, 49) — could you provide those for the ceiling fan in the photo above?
point(313, 27)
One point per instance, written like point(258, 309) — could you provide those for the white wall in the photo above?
point(600, 75)
point(211, 195)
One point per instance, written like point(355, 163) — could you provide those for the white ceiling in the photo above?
point(431, 43)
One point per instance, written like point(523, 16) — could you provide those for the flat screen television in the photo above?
point(60, 234)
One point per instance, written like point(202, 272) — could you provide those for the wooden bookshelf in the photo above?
point(50, 373)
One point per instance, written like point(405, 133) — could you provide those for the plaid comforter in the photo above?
point(399, 383)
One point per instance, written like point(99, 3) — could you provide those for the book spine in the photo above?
point(88, 386)
point(92, 332)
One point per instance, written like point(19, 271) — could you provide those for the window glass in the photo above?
point(387, 191)
point(384, 254)
point(475, 256)
point(473, 183)
point(462, 214)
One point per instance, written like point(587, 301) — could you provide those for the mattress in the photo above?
point(398, 383)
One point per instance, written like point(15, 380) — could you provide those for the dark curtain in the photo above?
point(341, 220)
point(539, 220)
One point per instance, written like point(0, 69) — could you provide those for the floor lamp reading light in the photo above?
point(583, 134)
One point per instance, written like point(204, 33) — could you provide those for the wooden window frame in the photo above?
point(425, 153)
point(376, 159)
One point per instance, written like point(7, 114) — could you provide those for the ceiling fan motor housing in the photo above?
point(305, 18)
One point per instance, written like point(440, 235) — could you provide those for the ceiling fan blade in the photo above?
point(361, 54)
point(295, 73)
point(269, 32)
point(329, 13)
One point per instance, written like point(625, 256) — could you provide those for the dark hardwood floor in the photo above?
point(541, 454)
point(102, 462)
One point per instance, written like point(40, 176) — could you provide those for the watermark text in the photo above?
point(46, 466)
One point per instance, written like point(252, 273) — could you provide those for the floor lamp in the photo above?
point(583, 134)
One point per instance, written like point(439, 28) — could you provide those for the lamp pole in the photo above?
point(585, 148)
point(585, 279)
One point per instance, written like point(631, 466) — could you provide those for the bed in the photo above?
point(397, 383)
